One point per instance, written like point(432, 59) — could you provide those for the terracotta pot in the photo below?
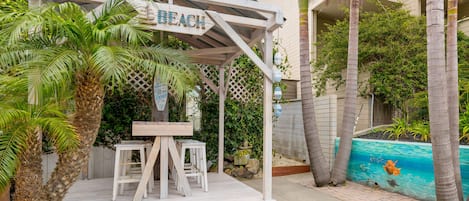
point(5, 196)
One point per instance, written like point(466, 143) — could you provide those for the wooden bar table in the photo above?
point(164, 142)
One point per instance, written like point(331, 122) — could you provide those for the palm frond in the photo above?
point(162, 55)
point(171, 67)
point(131, 34)
point(112, 63)
point(10, 115)
point(177, 79)
point(10, 58)
point(106, 9)
point(11, 145)
point(56, 64)
point(61, 132)
point(22, 26)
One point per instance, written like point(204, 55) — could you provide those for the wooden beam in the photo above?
point(209, 82)
point(179, 167)
point(217, 57)
point(221, 119)
point(237, 39)
point(148, 169)
point(208, 40)
point(267, 148)
point(220, 38)
point(256, 37)
point(211, 51)
point(243, 4)
point(192, 41)
point(244, 21)
point(272, 24)
point(207, 61)
point(230, 73)
point(253, 6)
point(164, 167)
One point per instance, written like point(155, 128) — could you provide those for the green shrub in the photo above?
point(399, 128)
point(420, 130)
point(464, 124)
point(120, 109)
point(243, 121)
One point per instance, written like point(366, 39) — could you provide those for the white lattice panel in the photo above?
point(139, 81)
point(236, 87)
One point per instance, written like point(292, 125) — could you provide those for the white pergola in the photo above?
point(230, 28)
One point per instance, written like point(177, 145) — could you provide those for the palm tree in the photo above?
point(438, 103)
point(453, 90)
point(319, 167)
point(21, 143)
point(339, 173)
point(90, 52)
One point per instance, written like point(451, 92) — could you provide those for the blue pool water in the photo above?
point(415, 160)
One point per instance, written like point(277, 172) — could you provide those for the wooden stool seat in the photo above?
point(127, 171)
point(197, 166)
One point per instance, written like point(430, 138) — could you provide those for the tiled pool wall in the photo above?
point(414, 160)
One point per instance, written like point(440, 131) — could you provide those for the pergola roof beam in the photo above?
point(237, 39)
point(210, 51)
point(243, 4)
point(244, 21)
point(208, 40)
point(213, 34)
point(207, 61)
point(219, 58)
point(192, 41)
point(256, 37)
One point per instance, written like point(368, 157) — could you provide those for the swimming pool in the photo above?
point(415, 178)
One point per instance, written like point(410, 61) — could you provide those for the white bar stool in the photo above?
point(126, 171)
point(197, 166)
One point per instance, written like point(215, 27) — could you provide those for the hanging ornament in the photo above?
point(277, 110)
point(277, 93)
point(277, 75)
point(278, 58)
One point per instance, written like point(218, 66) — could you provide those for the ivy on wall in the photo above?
point(243, 121)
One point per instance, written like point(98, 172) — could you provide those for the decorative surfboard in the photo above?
point(160, 91)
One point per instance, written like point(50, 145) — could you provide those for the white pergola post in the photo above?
point(267, 177)
point(221, 118)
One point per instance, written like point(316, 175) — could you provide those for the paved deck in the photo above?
point(221, 188)
point(299, 187)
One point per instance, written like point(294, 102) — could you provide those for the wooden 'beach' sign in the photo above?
point(172, 18)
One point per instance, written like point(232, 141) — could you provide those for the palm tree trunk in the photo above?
point(339, 173)
point(453, 91)
point(438, 103)
point(89, 98)
point(28, 177)
point(319, 167)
